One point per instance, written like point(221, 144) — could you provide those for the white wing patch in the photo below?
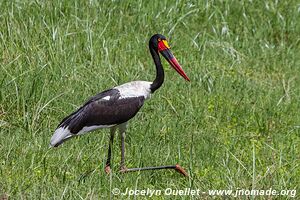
point(135, 89)
point(60, 135)
point(87, 129)
point(106, 98)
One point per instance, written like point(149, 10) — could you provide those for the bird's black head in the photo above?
point(153, 42)
point(159, 44)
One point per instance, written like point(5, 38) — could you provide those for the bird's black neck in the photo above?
point(160, 75)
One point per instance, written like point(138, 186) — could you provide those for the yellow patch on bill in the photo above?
point(166, 44)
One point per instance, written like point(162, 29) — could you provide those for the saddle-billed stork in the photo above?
point(113, 108)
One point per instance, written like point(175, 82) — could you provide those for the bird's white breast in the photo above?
point(135, 89)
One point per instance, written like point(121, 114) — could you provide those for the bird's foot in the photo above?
point(179, 169)
point(123, 169)
point(107, 169)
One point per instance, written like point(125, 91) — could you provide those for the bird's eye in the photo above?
point(159, 39)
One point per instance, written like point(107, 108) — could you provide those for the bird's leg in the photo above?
point(123, 168)
point(177, 167)
point(122, 128)
point(111, 140)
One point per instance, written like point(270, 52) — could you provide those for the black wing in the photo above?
point(106, 108)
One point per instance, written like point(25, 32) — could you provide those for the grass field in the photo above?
point(236, 125)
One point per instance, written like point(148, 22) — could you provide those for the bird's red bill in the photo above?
point(174, 63)
point(163, 45)
point(164, 49)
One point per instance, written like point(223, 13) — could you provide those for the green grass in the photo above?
point(235, 125)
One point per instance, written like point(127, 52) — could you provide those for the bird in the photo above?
point(113, 108)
